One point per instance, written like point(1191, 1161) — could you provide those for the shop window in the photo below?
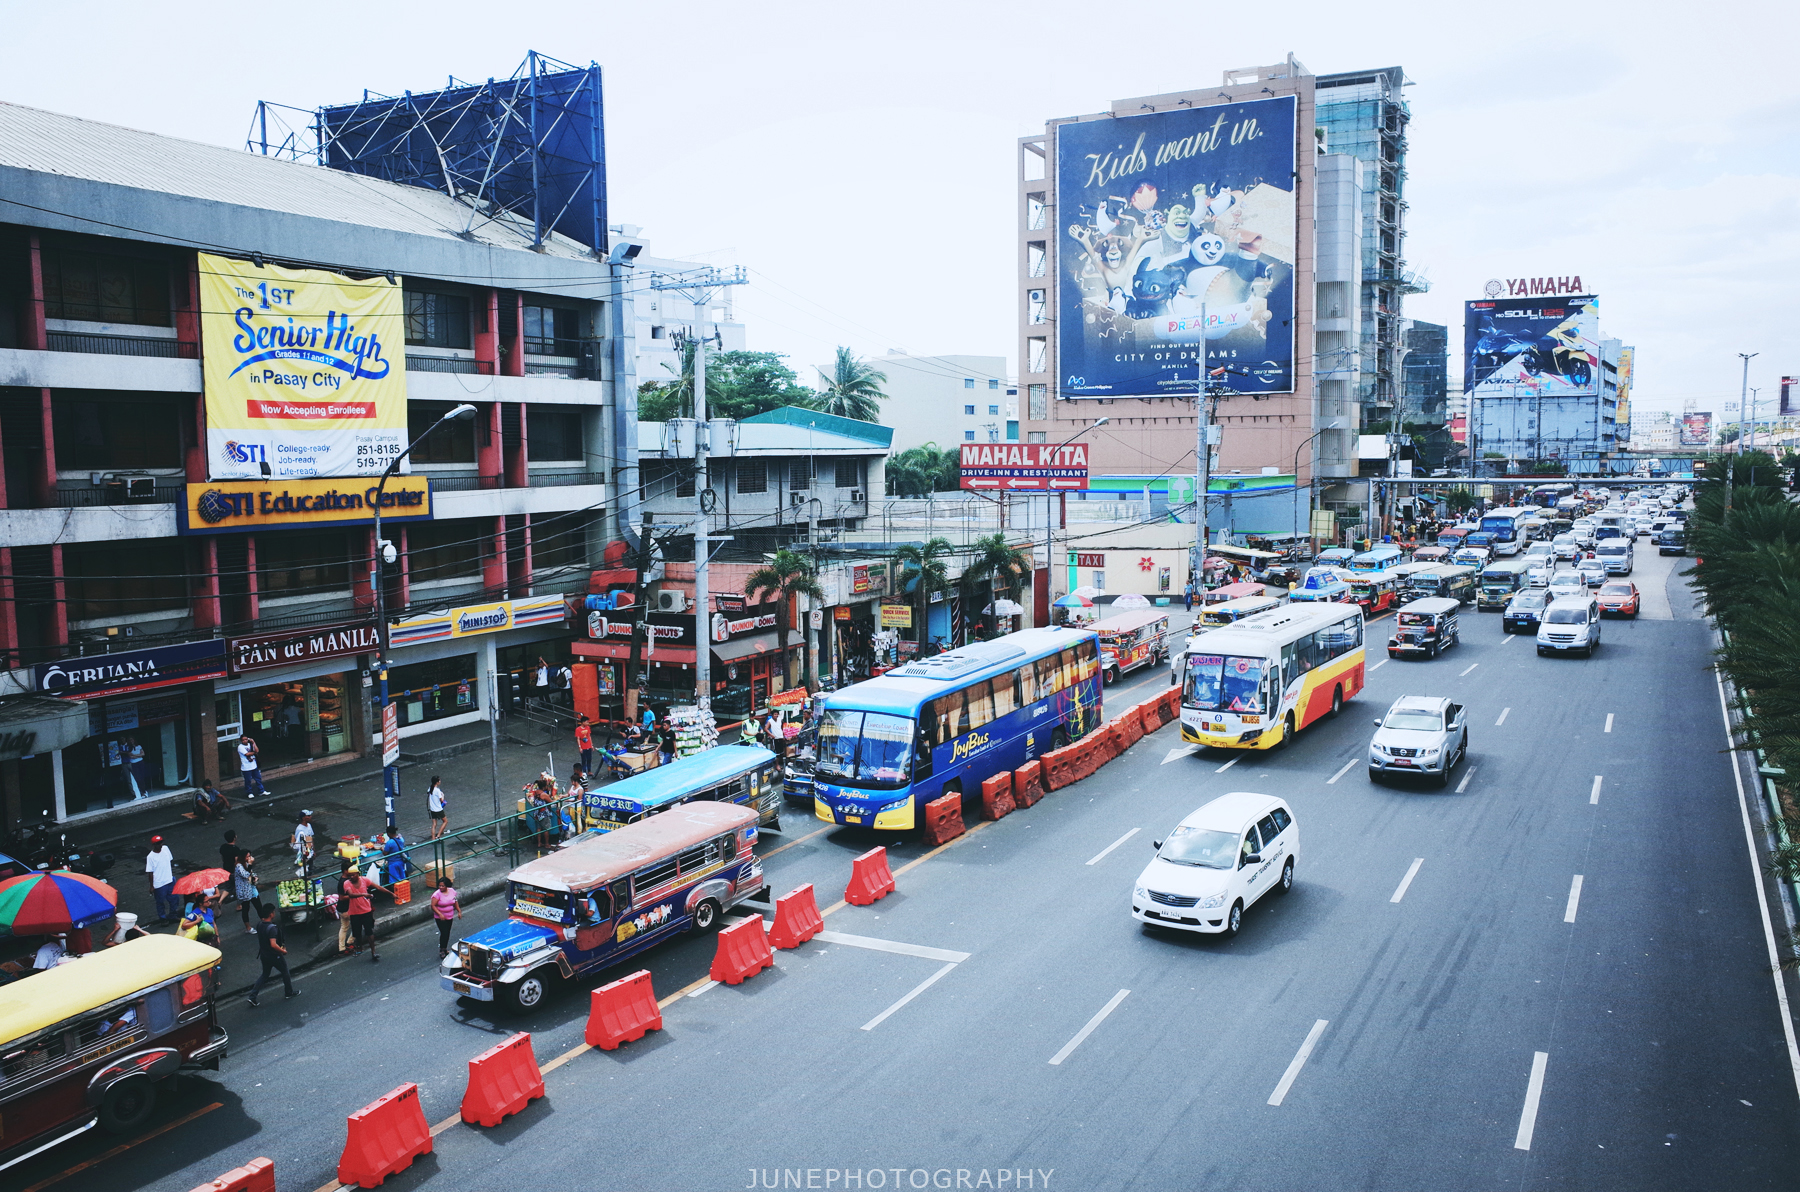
point(552, 331)
point(555, 434)
point(112, 580)
point(98, 287)
point(451, 443)
point(427, 691)
point(135, 747)
point(294, 722)
point(451, 550)
point(302, 562)
point(437, 320)
point(102, 433)
point(752, 476)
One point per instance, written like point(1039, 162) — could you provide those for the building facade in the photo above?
point(148, 571)
point(946, 400)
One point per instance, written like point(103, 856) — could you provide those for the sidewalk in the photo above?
point(344, 800)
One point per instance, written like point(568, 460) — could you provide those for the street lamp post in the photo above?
point(1050, 504)
point(390, 722)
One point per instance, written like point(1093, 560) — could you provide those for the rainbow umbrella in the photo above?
point(54, 902)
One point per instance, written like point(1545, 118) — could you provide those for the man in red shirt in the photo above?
point(361, 910)
point(584, 741)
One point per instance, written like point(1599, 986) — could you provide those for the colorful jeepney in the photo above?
point(1132, 639)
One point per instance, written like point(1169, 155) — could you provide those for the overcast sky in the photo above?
point(859, 159)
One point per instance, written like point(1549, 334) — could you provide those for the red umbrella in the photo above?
point(200, 879)
point(54, 902)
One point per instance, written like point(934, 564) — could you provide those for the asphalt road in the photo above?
point(1402, 1029)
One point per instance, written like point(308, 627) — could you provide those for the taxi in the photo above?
point(1619, 598)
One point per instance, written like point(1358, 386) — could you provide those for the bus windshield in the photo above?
point(1217, 683)
point(866, 749)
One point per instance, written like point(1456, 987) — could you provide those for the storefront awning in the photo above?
point(37, 724)
point(746, 647)
point(621, 652)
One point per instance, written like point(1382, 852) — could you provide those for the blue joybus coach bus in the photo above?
point(748, 775)
point(889, 745)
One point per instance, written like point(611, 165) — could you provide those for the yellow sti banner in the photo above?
point(233, 506)
point(305, 371)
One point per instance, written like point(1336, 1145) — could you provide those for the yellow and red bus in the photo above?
point(1255, 683)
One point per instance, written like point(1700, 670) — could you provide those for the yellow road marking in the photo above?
point(123, 1147)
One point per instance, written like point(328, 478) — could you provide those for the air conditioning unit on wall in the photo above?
point(671, 602)
point(856, 496)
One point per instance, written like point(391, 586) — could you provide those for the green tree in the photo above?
point(852, 388)
point(924, 569)
point(923, 470)
point(999, 566)
point(786, 576)
point(738, 385)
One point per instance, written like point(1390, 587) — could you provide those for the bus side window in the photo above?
point(922, 750)
point(1088, 657)
point(1049, 677)
point(693, 860)
point(594, 907)
point(1290, 664)
point(1068, 675)
point(621, 893)
point(1005, 695)
point(928, 725)
point(981, 704)
point(1308, 652)
point(721, 849)
point(1028, 685)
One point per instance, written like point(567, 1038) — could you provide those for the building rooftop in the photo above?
point(789, 430)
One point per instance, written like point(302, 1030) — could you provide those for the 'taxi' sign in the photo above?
point(1024, 466)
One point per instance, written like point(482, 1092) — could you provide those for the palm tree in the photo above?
point(852, 388)
point(925, 568)
point(1002, 566)
point(923, 470)
point(787, 575)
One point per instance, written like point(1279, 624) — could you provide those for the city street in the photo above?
point(1551, 974)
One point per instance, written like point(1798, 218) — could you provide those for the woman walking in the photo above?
point(243, 881)
point(446, 909)
point(439, 806)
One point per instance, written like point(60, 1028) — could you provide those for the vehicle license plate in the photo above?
point(853, 819)
point(1401, 761)
point(462, 987)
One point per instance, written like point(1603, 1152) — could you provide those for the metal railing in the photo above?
point(446, 364)
point(463, 484)
point(88, 497)
point(122, 345)
point(537, 830)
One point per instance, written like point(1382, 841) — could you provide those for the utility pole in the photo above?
point(699, 286)
point(1731, 465)
point(1203, 441)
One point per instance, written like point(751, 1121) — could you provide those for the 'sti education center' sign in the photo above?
point(236, 506)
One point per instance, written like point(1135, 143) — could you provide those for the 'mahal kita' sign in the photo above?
point(1015, 467)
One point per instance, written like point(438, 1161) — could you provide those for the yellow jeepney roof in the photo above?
point(44, 999)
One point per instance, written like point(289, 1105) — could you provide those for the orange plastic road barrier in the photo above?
point(258, 1175)
point(1132, 724)
point(869, 878)
point(385, 1137)
point(1028, 784)
point(797, 916)
point(743, 952)
point(1055, 768)
point(622, 1012)
point(943, 821)
point(502, 1080)
point(996, 797)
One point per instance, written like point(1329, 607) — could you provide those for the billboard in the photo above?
point(1017, 467)
point(1622, 415)
point(238, 506)
point(299, 379)
point(1176, 223)
point(1531, 347)
point(1696, 430)
point(1790, 404)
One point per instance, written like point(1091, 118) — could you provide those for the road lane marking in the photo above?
point(1407, 880)
point(1115, 844)
point(125, 1146)
point(1234, 761)
point(1377, 666)
point(1534, 1092)
point(790, 844)
point(921, 987)
point(894, 946)
point(1609, 720)
point(1594, 795)
point(1574, 899)
point(1756, 879)
point(1509, 637)
point(1342, 772)
point(708, 985)
point(1082, 1034)
point(1184, 751)
point(1467, 778)
point(1299, 1062)
point(1502, 720)
point(1471, 667)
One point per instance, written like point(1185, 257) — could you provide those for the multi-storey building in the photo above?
point(187, 606)
point(947, 400)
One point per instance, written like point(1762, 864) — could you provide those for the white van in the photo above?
point(1218, 862)
point(1569, 624)
point(1616, 553)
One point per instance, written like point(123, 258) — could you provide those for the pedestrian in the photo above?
point(50, 953)
point(584, 741)
point(540, 681)
point(649, 717)
point(395, 852)
point(565, 683)
point(137, 767)
point(273, 955)
point(209, 803)
point(243, 881)
point(356, 889)
point(302, 844)
point(446, 909)
point(250, 768)
point(668, 742)
point(160, 865)
point(230, 851)
point(439, 807)
point(339, 905)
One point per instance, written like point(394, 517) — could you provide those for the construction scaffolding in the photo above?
point(529, 150)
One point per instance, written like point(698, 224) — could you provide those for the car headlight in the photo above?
point(896, 805)
point(1377, 750)
point(1141, 894)
point(1211, 904)
point(1432, 752)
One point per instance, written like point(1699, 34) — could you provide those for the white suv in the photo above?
point(1217, 862)
point(1568, 625)
point(1421, 734)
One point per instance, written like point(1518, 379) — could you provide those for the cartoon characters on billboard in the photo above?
point(1184, 234)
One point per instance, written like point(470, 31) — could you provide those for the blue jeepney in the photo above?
point(748, 775)
point(1323, 584)
point(605, 897)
